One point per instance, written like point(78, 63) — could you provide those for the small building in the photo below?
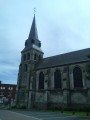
point(7, 93)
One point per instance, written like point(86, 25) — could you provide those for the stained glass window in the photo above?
point(41, 80)
point(57, 79)
point(77, 76)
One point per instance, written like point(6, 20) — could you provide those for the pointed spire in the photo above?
point(33, 42)
point(33, 32)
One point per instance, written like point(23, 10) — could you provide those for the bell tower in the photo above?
point(32, 51)
point(30, 55)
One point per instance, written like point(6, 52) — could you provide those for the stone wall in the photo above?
point(67, 95)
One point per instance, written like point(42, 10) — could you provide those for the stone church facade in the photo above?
point(54, 82)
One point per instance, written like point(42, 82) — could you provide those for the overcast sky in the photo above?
point(63, 26)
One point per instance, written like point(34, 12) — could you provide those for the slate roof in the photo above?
point(33, 32)
point(64, 59)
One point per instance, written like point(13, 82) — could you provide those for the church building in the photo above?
point(53, 82)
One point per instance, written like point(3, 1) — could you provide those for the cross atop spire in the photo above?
point(34, 11)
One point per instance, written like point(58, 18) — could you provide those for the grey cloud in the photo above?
point(63, 26)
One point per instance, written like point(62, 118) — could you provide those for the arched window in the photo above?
point(77, 77)
point(25, 67)
point(41, 80)
point(24, 57)
point(28, 56)
point(35, 56)
point(32, 41)
point(39, 44)
point(57, 79)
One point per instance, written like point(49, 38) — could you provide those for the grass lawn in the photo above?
point(77, 113)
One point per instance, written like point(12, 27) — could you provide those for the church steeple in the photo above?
point(33, 42)
point(33, 32)
point(30, 56)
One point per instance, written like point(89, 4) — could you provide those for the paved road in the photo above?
point(32, 115)
point(8, 115)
